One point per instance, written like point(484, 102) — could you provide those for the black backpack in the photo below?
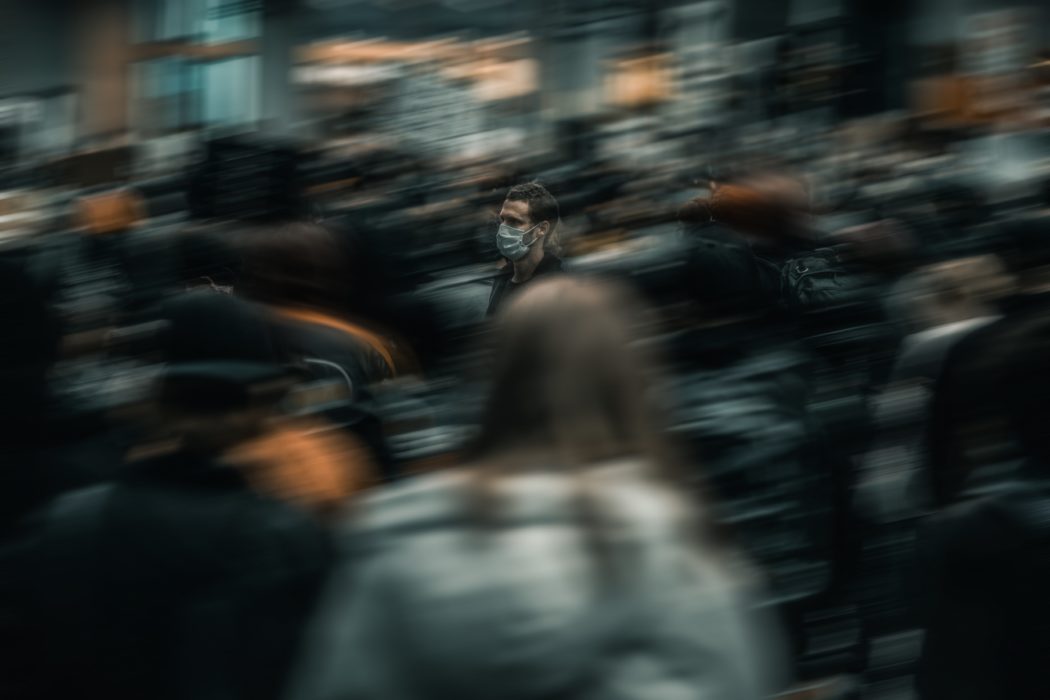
point(819, 281)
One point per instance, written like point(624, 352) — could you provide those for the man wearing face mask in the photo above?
point(525, 238)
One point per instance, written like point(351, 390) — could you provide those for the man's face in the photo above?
point(516, 215)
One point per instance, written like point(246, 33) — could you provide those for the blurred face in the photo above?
point(519, 237)
point(516, 215)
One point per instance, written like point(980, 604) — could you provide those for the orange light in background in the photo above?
point(378, 51)
point(640, 82)
point(498, 80)
point(496, 67)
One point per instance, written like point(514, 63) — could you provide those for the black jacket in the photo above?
point(984, 570)
point(174, 582)
point(503, 288)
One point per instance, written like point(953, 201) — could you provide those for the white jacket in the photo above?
point(428, 604)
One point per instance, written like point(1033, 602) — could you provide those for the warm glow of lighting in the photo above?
point(494, 66)
point(641, 81)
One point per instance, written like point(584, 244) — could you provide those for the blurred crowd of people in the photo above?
point(344, 422)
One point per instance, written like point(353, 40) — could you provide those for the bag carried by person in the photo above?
point(819, 281)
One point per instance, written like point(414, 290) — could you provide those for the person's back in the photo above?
point(176, 581)
point(524, 609)
point(559, 561)
point(740, 388)
point(984, 568)
point(984, 560)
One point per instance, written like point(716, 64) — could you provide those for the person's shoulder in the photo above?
point(167, 495)
point(447, 501)
point(637, 503)
point(986, 527)
point(415, 504)
point(78, 510)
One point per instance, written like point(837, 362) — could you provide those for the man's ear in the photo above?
point(544, 228)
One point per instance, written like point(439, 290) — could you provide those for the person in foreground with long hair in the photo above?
point(561, 561)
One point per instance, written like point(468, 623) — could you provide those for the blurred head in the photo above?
point(528, 221)
point(768, 208)
point(223, 376)
point(294, 264)
point(884, 247)
point(957, 290)
point(570, 381)
point(695, 213)
point(111, 212)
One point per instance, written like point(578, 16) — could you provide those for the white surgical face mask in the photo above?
point(511, 242)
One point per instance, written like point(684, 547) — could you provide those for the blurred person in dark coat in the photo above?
point(30, 348)
point(42, 456)
point(966, 434)
point(48, 443)
point(178, 579)
point(945, 302)
point(526, 239)
point(563, 561)
point(984, 562)
point(741, 382)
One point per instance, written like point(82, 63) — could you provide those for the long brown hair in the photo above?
point(573, 388)
point(569, 378)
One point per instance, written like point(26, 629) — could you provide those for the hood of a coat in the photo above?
point(522, 595)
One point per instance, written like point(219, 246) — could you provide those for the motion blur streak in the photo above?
point(394, 349)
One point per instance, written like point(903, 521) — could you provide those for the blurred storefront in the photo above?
point(473, 77)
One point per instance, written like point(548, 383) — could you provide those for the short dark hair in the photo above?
point(542, 204)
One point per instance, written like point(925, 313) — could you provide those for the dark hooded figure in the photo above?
point(177, 580)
